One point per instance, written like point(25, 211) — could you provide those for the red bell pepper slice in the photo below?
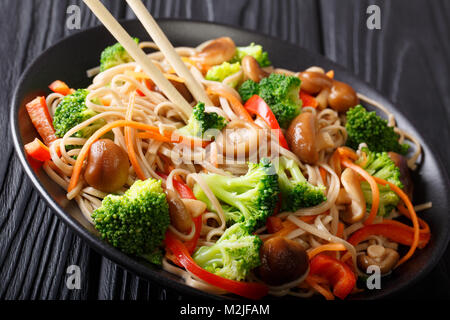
point(34, 164)
point(61, 87)
point(186, 193)
point(391, 231)
point(256, 105)
point(308, 100)
point(338, 274)
point(40, 117)
point(250, 290)
point(37, 150)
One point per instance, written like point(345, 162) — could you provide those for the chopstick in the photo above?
point(138, 55)
point(168, 50)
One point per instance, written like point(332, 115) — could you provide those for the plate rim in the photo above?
point(134, 266)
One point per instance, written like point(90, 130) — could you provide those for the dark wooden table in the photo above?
point(407, 60)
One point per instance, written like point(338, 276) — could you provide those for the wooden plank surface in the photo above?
point(407, 60)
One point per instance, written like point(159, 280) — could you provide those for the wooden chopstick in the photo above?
point(168, 50)
point(138, 55)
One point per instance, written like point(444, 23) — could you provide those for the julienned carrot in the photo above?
point(237, 106)
point(188, 141)
point(326, 247)
point(330, 74)
point(328, 295)
point(344, 152)
point(413, 217)
point(129, 143)
point(403, 210)
point(99, 133)
point(288, 227)
point(340, 230)
point(323, 174)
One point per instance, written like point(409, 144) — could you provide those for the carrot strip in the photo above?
point(326, 247)
point(371, 180)
point(322, 290)
point(288, 227)
point(237, 106)
point(330, 74)
point(413, 217)
point(129, 143)
point(105, 129)
point(323, 174)
point(340, 230)
point(403, 210)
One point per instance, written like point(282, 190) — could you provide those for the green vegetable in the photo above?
point(136, 221)
point(114, 55)
point(367, 127)
point(249, 199)
point(201, 121)
point(233, 255)
point(254, 50)
point(222, 71)
point(379, 164)
point(296, 191)
point(72, 111)
point(280, 92)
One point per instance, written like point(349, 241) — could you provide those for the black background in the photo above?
point(407, 60)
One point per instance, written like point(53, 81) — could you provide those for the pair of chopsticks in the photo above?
point(141, 58)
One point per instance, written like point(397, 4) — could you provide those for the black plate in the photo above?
point(69, 59)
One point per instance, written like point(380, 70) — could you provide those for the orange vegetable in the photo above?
point(344, 152)
point(412, 216)
point(129, 142)
point(37, 150)
point(326, 247)
point(308, 100)
point(330, 74)
point(274, 224)
point(40, 117)
point(119, 123)
point(61, 87)
point(236, 105)
point(323, 290)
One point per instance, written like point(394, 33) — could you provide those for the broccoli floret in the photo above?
point(136, 221)
point(220, 72)
point(114, 55)
point(296, 191)
point(367, 127)
point(201, 121)
point(254, 50)
point(72, 111)
point(233, 255)
point(248, 89)
point(280, 92)
point(380, 165)
point(250, 198)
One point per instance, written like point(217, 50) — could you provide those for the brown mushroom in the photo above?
point(107, 166)
point(180, 218)
point(313, 82)
point(282, 261)
point(342, 97)
point(301, 137)
point(385, 258)
point(357, 209)
point(405, 173)
point(217, 51)
point(252, 70)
